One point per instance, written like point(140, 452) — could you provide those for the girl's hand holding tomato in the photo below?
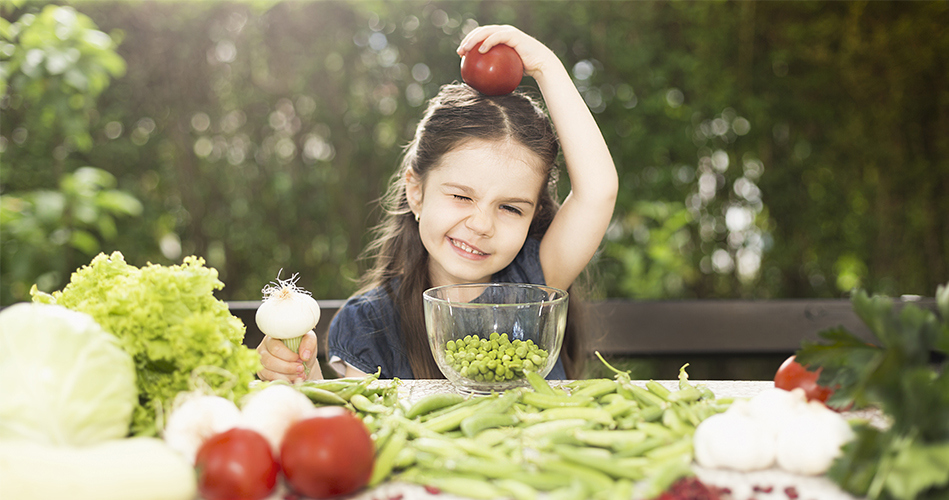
point(488, 46)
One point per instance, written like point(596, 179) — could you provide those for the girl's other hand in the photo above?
point(535, 56)
point(280, 363)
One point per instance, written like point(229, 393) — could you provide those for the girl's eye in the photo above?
point(461, 198)
point(512, 209)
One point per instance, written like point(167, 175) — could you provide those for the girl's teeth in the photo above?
point(462, 245)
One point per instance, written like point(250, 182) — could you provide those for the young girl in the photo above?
point(473, 202)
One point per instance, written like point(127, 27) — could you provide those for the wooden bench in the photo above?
point(721, 339)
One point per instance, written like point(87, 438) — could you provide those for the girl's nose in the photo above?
point(480, 222)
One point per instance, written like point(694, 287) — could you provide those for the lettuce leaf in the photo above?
point(166, 317)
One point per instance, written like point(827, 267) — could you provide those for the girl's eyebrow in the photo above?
point(468, 190)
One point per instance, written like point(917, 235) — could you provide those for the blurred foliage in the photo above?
point(765, 149)
point(47, 231)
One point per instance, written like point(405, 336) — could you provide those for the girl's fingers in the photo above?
point(308, 347)
point(288, 369)
point(265, 374)
point(534, 55)
point(481, 34)
point(279, 350)
point(279, 362)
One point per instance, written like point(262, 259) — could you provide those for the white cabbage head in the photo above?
point(63, 379)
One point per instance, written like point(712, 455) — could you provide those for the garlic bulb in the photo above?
point(775, 426)
point(811, 440)
point(734, 440)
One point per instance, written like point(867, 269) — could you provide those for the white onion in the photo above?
point(196, 419)
point(272, 410)
point(287, 311)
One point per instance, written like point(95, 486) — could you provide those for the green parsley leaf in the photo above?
point(907, 378)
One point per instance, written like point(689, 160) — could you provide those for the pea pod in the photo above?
point(644, 397)
point(622, 490)
point(466, 486)
point(662, 475)
point(405, 458)
point(641, 448)
point(672, 421)
point(363, 404)
point(581, 383)
point(517, 489)
point(433, 402)
point(451, 420)
point(359, 387)
point(593, 479)
point(474, 424)
point(651, 413)
point(554, 400)
point(680, 448)
point(439, 446)
point(606, 465)
point(538, 383)
point(539, 430)
point(496, 468)
point(654, 429)
point(322, 396)
point(597, 415)
point(620, 407)
point(658, 389)
point(609, 439)
point(598, 388)
point(332, 385)
point(575, 491)
point(386, 458)
point(688, 395)
point(544, 481)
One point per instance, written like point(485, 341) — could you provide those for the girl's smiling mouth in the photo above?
point(465, 249)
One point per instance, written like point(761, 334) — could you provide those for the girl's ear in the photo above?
point(413, 190)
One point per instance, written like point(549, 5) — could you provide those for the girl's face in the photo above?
point(475, 208)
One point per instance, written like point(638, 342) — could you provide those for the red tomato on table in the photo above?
point(328, 454)
point(236, 464)
point(496, 72)
point(792, 375)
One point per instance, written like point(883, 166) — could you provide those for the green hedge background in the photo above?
point(765, 149)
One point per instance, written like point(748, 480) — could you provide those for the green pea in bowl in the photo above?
point(486, 336)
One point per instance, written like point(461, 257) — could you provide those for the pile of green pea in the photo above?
point(495, 358)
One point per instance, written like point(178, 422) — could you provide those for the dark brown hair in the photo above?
point(456, 115)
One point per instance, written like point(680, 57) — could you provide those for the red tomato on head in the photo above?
point(496, 72)
point(792, 375)
point(236, 464)
point(327, 455)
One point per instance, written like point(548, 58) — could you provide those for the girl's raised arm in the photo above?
point(579, 226)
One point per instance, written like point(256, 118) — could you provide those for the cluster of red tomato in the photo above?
point(792, 375)
point(326, 455)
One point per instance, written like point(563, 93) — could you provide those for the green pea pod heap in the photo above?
point(598, 438)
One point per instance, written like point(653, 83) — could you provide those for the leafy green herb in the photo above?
point(167, 318)
point(904, 375)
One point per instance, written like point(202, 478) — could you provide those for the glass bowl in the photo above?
point(486, 336)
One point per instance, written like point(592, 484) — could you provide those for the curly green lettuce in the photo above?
point(166, 317)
